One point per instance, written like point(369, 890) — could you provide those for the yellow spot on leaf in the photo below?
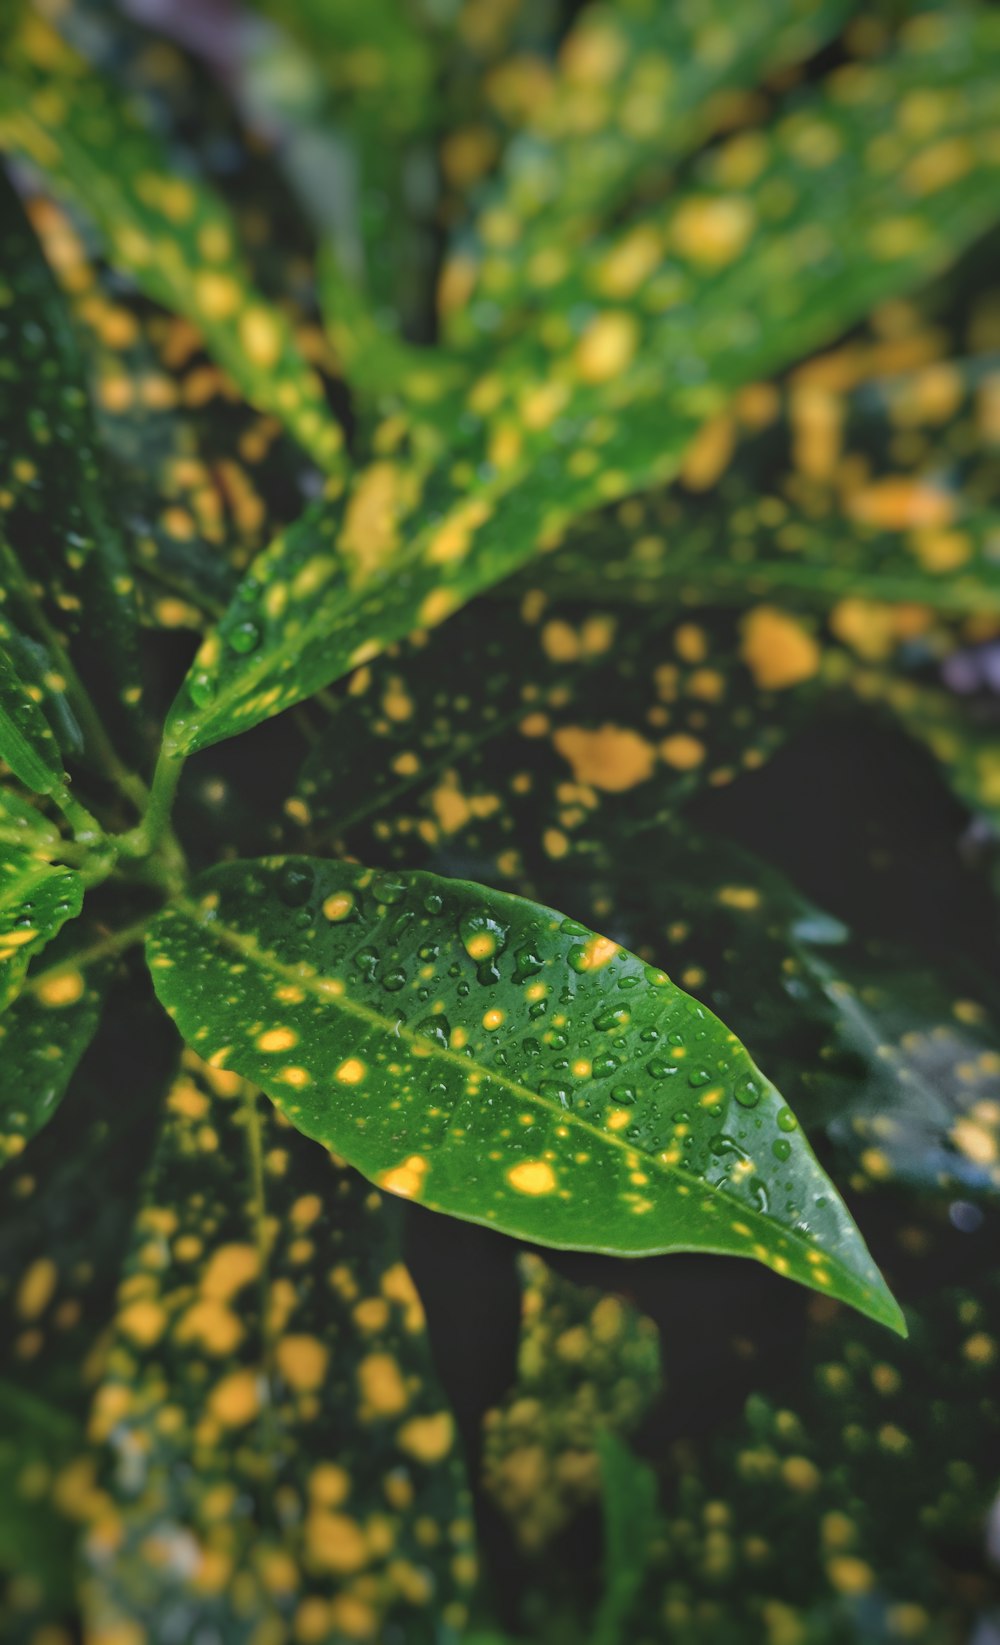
point(277, 1039)
point(777, 649)
point(532, 1177)
point(236, 1399)
point(612, 758)
point(351, 1072)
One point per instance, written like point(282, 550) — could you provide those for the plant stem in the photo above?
point(154, 832)
point(87, 831)
point(116, 943)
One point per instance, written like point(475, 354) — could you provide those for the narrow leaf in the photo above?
point(171, 232)
point(492, 1059)
point(57, 515)
point(27, 744)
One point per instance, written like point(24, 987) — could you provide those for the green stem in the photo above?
point(87, 831)
point(154, 834)
point(116, 943)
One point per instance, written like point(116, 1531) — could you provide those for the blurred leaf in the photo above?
point(574, 411)
point(57, 517)
point(887, 492)
point(279, 1455)
point(636, 89)
point(170, 231)
point(66, 1207)
point(26, 741)
point(640, 712)
point(629, 1504)
point(43, 1036)
point(588, 1368)
point(36, 900)
point(594, 1149)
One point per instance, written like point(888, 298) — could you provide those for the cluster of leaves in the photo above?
point(546, 416)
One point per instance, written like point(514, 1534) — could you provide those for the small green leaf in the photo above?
point(26, 740)
point(36, 900)
point(269, 1408)
point(492, 1059)
point(171, 232)
point(56, 512)
point(628, 1501)
point(43, 1035)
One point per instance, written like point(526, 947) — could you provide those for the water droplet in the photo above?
point(366, 960)
point(699, 1076)
point(628, 982)
point(244, 637)
point(747, 1091)
point(526, 963)
point(483, 936)
point(573, 928)
point(537, 1009)
point(781, 1148)
point(385, 889)
point(786, 1120)
point(614, 1017)
point(660, 1068)
point(433, 903)
point(624, 1095)
point(295, 884)
point(604, 1065)
point(554, 1092)
point(576, 959)
point(436, 1028)
point(558, 1040)
point(393, 981)
point(399, 924)
point(201, 690)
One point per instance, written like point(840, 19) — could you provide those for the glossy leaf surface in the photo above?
point(57, 519)
point(730, 295)
point(171, 232)
point(490, 1058)
point(36, 900)
point(307, 1465)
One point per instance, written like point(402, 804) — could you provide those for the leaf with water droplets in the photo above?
point(27, 743)
point(655, 1135)
point(36, 899)
point(276, 1442)
point(172, 233)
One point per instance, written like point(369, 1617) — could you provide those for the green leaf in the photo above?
point(636, 89)
point(628, 1501)
point(522, 733)
point(588, 1365)
point(26, 740)
point(269, 1406)
point(478, 1053)
point(883, 492)
point(36, 900)
point(171, 232)
point(43, 1035)
point(57, 517)
point(22, 825)
point(574, 410)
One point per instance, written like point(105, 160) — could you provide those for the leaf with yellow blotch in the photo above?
point(492, 1059)
point(276, 1444)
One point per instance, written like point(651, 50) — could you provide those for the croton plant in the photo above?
point(445, 445)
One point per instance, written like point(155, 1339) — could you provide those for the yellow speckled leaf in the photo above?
point(278, 1450)
point(492, 1059)
point(170, 231)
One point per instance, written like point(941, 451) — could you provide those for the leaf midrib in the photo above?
point(227, 935)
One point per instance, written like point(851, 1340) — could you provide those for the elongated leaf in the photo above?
point(526, 733)
point(269, 1405)
point(36, 900)
point(27, 744)
point(888, 492)
point(588, 1365)
point(636, 88)
point(56, 511)
point(628, 1500)
point(480, 1054)
point(22, 825)
point(733, 295)
point(43, 1035)
point(172, 233)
